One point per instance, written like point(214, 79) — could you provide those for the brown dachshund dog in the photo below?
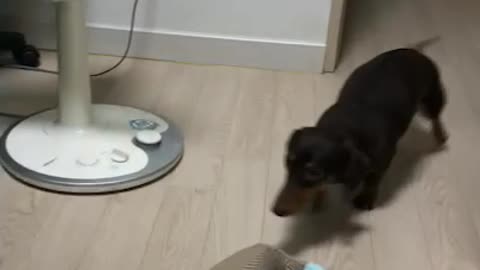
point(355, 140)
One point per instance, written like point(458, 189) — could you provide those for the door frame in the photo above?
point(334, 35)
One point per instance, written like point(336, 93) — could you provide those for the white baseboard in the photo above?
point(193, 48)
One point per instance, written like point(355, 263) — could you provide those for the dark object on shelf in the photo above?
point(23, 53)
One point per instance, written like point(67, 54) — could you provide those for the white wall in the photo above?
point(301, 23)
point(295, 20)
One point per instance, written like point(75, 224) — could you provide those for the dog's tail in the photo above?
point(421, 45)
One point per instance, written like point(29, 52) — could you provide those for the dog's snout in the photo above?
point(292, 199)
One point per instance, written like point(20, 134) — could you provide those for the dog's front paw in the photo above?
point(318, 205)
point(440, 133)
point(319, 201)
point(364, 202)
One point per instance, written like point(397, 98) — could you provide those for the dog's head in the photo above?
point(314, 159)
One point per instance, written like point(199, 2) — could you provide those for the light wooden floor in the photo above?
point(236, 122)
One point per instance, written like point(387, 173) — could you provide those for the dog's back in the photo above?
point(380, 98)
point(390, 78)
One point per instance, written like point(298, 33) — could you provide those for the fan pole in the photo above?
point(74, 91)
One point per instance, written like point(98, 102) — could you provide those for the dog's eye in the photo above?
point(310, 166)
point(312, 178)
point(290, 158)
point(314, 172)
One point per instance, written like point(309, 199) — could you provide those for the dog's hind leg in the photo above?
point(433, 104)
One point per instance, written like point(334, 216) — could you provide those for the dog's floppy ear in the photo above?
point(295, 138)
point(357, 165)
point(296, 133)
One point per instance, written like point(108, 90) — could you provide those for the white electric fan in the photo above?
point(81, 147)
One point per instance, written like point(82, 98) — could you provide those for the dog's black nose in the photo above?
point(280, 212)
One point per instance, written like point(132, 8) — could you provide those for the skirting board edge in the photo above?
point(193, 48)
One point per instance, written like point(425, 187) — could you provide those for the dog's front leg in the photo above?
point(367, 197)
point(319, 199)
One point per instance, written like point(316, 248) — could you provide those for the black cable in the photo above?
point(129, 42)
point(10, 115)
point(27, 68)
point(116, 65)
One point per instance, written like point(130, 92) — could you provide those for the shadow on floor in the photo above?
point(338, 220)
